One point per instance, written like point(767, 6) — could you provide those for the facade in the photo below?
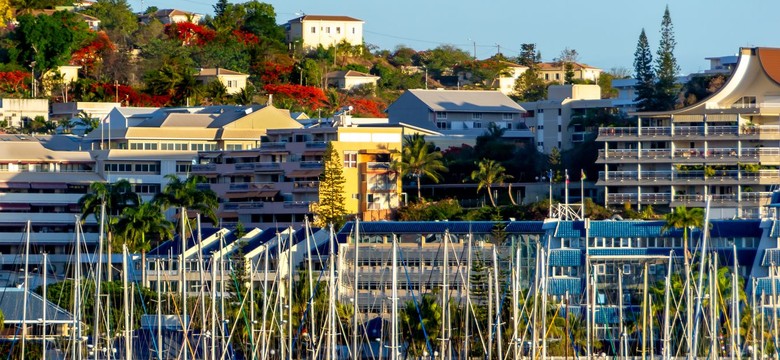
point(351, 79)
point(95, 110)
point(234, 81)
point(17, 112)
point(556, 71)
point(551, 120)
point(725, 146)
point(277, 183)
point(722, 64)
point(508, 78)
point(171, 16)
point(324, 30)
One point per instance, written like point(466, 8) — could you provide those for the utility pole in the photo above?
point(32, 78)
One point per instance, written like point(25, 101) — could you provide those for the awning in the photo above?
point(267, 193)
point(49, 185)
point(304, 173)
point(14, 207)
point(14, 185)
point(314, 152)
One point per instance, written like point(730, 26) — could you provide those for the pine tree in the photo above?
point(643, 72)
point(331, 208)
point(529, 87)
point(666, 87)
point(220, 7)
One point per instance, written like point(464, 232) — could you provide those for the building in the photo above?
point(457, 117)
point(92, 22)
point(18, 112)
point(313, 31)
point(725, 146)
point(551, 120)
point(722, 64)
point(556, 71)
point(508, 78)
point(59, 322)
point(351, 79)
point(234, 81)
point(277, 183)
point(171, 16)
point(68, 111)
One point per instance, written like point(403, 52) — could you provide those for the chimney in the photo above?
point(217, 71)
point(270, 100)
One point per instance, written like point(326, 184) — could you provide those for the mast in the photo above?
point(202, 291)
point(713, 307)
point(290, 293)
point(355, 353)
point(26, 287)
point(490, 315)
point(467, 325)
point(98, 276)
point(159, 311)
point(77, 293)
point(311, 284)
point(263, 344)
point(705, 236)
point(772, 274)
point(128, 331)
point(621, 334)
point(516, 303)
point(644, 313)
point(394, 304)
point(252, 346)
point(444, 295)
point(667, 352)
point(753, 354)
point(587, 299)
point(213, 308)
point(735, 348)
point(183, 271)
point(43, 308)
point(535, 315)
point(332, 295)
point(544, 304)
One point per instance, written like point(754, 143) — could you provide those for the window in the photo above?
point(547, 76)
point(147, 168)
point(119, 167)
point(478, 125)
point(476, 116)
point(443, 125)
point(234, 147)
point(441, 115)
point(146, 188)
point(509, 126)
point(231, 83)
point(313, 29)
point(353, 30)
point(507, 116)
point(627, 269)
point(559, 112)
point(338, 30)
point(183, 167)
point(369, 198)
point(560, 128)
point(600, 269)
point(173, 146)
point(557, 76)
point(350, 159)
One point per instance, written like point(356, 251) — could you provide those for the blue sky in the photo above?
point(604, 32)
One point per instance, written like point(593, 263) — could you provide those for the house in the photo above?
point(68, 111)
point(92, 22)
point(324, 30)
point(556, 71)
point(17, 112)
point(170, 16)
point(64, 75)
point(350, 79)
point(724, 147)
point(457, 117)
point(508, 78)
point(550, 119)
point(234, 81)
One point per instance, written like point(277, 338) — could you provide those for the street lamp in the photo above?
point(425, 67)
point(32, 78)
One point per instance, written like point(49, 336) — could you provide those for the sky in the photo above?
point(604, 32)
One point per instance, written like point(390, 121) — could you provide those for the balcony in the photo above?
point(378, 166)
point(677, 177)
point(273, 145)
point(297, 204)
point(204, 168)
point(648, 198)
point(311, 164)
point(316, 144)
point(306, 186)
point(768, 132)
point(245, 205)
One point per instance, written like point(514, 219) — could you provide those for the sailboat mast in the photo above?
point(77, 293)
point(714, 307)
point(644, 312)
point(667, 352)
point(444, 295)
point(45, 302)
point(621, 334)
point(516, 303)
point(466, 327)
point(543, 309)
point(332, 295)
point(202, 292)
point(26, 287)
point(183, 272)
point(289, 293)
point(735, 348)
point(700, 285)
point(128, 330)
point(98, 276)
point(263, 336)
point(213, 308)
point(355, 353)
point(394, 303)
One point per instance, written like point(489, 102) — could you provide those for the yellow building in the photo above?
point(277, 184)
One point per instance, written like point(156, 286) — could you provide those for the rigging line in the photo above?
point(414, 299)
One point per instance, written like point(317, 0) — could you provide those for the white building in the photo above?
point(324, 30)
point(233, 81)
point(16, 112)
point(350, 79)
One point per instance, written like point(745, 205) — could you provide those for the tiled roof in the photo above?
point(12, 299)
point(764, 286)
point(217, 71)
point(622, 252)
point(771, 257)
point(173, 247)
point(437, 227)
point(570, 229)
point(565, 257)
point(625, 228)
point(560, 285)
point(324, 18)
point(467, 101)
point(531, 227)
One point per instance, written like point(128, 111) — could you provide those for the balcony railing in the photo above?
point(378, 165)
point(311, 164)
point(246, 205)
point(273, 145)
point(756, 196)
point(297, 204)
point(204, 167)
point(316, 144)
point(306, 185)
point(690, 175)
point(689, 130)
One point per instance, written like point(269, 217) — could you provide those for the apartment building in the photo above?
point(725, 146)
point(324, 30)
point(18, 112)
point(234, 81)
point(278, 182)
point(556, 72)
point(550, 120)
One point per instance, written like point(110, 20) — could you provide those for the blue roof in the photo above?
point(736, 228)
point(560, 285)
point(216, 245)
point(435, 227)
point(771, 257)
point(775, 201)
point(262, 238)
point(570, 229)
point(764, 286)
point(565, 257)
point(641, 228)
point(173, 247)
point(530, 227)
point(619, 251)
point(625, 228)
point(775, 233)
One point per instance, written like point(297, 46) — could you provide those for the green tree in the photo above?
point(685, 219)
point(568, 58)
point(331, 207)
point(644, 74)
point(116, 17)
point(187, 195)
point(89, 123)
point(489, 172)
point(138, 226)
point(47, 40)
point(666, 69)
point(413, 322)
point(418, 160)
point(529, 86)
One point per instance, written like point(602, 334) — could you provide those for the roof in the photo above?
point(12, 299)
point(770, 62)
point(217, 71)
point(435, 227)
point(324, 18)
point(349, 73)
point(30, 149)
point(171, 12)
point(467, 101)
point(173, 247)
point(559, 65)
point(641, 228)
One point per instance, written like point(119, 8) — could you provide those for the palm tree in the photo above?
point(684, 218)
point(185, 194)
point(412, 323)
point(86, 121)
point(116, 197)
point(418, 160)
point(138, 225)
point(489, 172)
